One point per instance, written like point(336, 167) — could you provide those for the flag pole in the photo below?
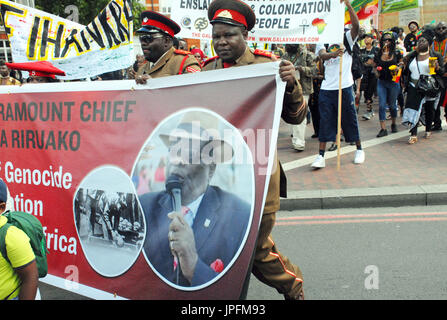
point(339, 112)
point(421, 5)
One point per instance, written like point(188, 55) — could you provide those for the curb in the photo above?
point(424, 195)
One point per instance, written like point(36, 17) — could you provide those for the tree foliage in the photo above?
point(88, 9)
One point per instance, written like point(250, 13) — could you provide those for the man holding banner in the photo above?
point(231, 21)
point(335, 68)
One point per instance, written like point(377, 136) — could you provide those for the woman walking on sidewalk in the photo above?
point(420, 106)
point(387, 89)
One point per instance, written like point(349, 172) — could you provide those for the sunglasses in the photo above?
point(441, 28)
point(149, 38)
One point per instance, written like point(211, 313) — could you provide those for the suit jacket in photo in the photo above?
point(219, 229)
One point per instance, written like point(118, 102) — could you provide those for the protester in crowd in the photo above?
point(200, 56)
point(182, 44)
point(232, 20)
point(39, 71)
point(18, 277)
point(369, 80)
point(140, 62)
point(401, 47)
point(410, 40)
point(156, 38)
point(313, 98)
point(278, 50)
point(305, 65)
point(328, 99)
point(399, 36)
point(440, 46)
point(416, 65)
point(5, 78)
point(387, 88)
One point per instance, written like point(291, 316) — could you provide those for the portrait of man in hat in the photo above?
point(157, 43)
point(192, 246)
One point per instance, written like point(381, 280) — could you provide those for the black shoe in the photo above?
point(393, 128)
point(436, 128)
point(314, 136)
point(332, 147)
point(382, 133)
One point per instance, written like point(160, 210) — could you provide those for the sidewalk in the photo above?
point(395, 173)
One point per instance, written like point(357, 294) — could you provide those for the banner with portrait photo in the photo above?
point(128, 179)
point(287, 21)
point(104, 45)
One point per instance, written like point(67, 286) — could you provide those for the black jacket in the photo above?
point(411, 56)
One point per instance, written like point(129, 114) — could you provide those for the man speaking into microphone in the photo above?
point(191, 245)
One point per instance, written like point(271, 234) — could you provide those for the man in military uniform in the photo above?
point(231, 20)
point(156, 38)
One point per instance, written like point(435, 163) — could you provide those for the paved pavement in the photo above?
point(395, 173)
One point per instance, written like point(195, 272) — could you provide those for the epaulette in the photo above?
point(210, 59)
point(183, 52)
point(264, 53)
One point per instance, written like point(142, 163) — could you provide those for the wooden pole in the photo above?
point(421, 10)
point(340, 93)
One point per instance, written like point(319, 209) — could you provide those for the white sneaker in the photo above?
point(298, 148)
point(359, 156)
point(319, 162)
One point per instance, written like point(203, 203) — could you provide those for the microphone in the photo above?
point(174, 185)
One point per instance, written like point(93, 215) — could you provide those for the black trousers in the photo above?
point(370, 87)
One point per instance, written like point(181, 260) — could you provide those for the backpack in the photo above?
point(357, 67)
point(33, 229)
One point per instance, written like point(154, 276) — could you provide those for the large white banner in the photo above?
point(81, 51)
point(280, 21)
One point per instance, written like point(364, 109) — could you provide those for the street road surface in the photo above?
point(351, 254)
point(376, 253)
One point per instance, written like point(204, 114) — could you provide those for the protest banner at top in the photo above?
point(286, 21)
point(398, 5)
point(81, 51)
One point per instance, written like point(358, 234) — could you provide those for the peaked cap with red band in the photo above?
point(37, 68)
point(153, 22)
point(233, 12)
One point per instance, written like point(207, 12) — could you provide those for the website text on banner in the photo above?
point(104, 45)
point(103, 161)
point(288, 21)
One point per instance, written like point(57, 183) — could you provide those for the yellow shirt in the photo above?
point(20, 254)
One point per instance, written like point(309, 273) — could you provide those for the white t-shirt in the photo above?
point(332, 68)
point(423, 67)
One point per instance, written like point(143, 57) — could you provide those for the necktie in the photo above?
point(187, 215)
point(227, 64)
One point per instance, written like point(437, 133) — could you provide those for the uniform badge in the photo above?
point(225, 14)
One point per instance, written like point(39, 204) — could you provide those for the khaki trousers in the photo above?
point(271, 267)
